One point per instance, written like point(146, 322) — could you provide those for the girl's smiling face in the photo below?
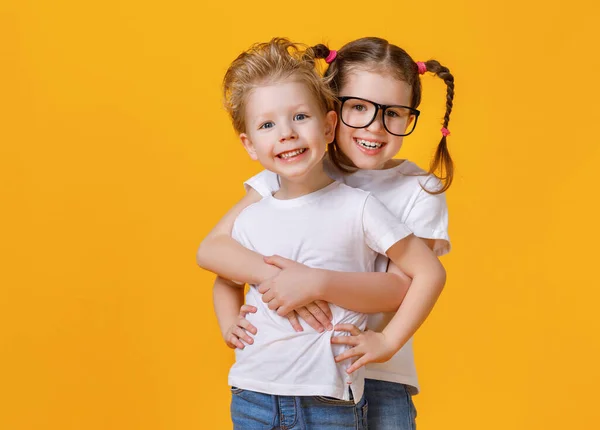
point(372, 147)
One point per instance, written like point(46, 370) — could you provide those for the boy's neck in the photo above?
point(298, 186)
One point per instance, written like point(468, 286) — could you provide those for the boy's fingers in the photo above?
point(358, 364)
point(241, 334)
point(345, 340)
point(349, 353)
point(350, 328)
point(247, 326)
point(235, 341)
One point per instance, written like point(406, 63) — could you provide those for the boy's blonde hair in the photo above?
point(268, 63)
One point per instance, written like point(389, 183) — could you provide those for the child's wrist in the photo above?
point(392, 340)
point(319, 286)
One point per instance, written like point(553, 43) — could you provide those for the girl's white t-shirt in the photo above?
point(400, 189)
point(336, 228)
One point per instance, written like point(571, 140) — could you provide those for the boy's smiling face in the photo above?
point(286, 130)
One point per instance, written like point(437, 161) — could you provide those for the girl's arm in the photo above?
point(413, 257)
point(366, 292)
point(221, 254)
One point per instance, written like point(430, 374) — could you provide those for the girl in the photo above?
point(379, 90)
point(283, 113)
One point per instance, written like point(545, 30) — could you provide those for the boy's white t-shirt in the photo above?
point(400, 189)
point(336, 228)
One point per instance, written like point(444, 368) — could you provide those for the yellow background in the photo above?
point(117, 158)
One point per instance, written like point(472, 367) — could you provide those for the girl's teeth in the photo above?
point(292, 153)
point(368, 145)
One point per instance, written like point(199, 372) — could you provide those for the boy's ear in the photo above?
point(330, 123)
point(248, 146)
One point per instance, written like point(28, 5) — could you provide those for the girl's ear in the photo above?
point(248, 146)
point(330, 123)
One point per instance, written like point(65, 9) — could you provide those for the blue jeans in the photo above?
point(257, 411)
point(390, 406)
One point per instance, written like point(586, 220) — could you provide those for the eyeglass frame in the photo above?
point(379, 107)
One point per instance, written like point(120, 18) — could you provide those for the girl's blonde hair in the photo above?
point(268, 63)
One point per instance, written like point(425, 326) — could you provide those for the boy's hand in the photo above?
point(295, 289)
point(239, 330)
point(369, 346)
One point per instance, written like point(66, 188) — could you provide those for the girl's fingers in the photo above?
point(264, 287)
point(352, 352)
point(310, 319)
point(278, 261)
point(350, 328)
point(345, 340)
point(325, 308)
point(273, 304)
point(268, 296)
point(319, 315)
point(245, 324)
point(293, 319)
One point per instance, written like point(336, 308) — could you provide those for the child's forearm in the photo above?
point(221, 254)
point(428, 279)
point(414, 310)
point(228, 298)
point(226, 257)
point(365, 292)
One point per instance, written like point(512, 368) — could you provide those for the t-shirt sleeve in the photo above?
point(428, 217)
point(265, 183)
point(382, 229)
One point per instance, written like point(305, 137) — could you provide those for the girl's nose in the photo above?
point(377, 124)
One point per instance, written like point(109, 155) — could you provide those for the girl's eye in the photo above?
point(360, 108)
point(268, 124)
point(392, 114)
point(300, 117)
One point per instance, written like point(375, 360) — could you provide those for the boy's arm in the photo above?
point(228, 301)
point(414, 258)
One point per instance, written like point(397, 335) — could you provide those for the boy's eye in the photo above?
point(268, 124)
point(300, 117)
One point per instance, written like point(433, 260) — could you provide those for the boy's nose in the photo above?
point(287, 135)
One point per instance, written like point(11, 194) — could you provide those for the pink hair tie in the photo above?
point(445, 132)
point(331, 56)
point(422, 67)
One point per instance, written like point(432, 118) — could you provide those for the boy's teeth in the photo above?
point(368, 145)
point(292, 153)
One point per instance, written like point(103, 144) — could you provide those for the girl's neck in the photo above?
point(298, 186)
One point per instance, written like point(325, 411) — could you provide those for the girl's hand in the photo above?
point(316, 314)
point(239, 330)
point(295, 288)
point(369, 346)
